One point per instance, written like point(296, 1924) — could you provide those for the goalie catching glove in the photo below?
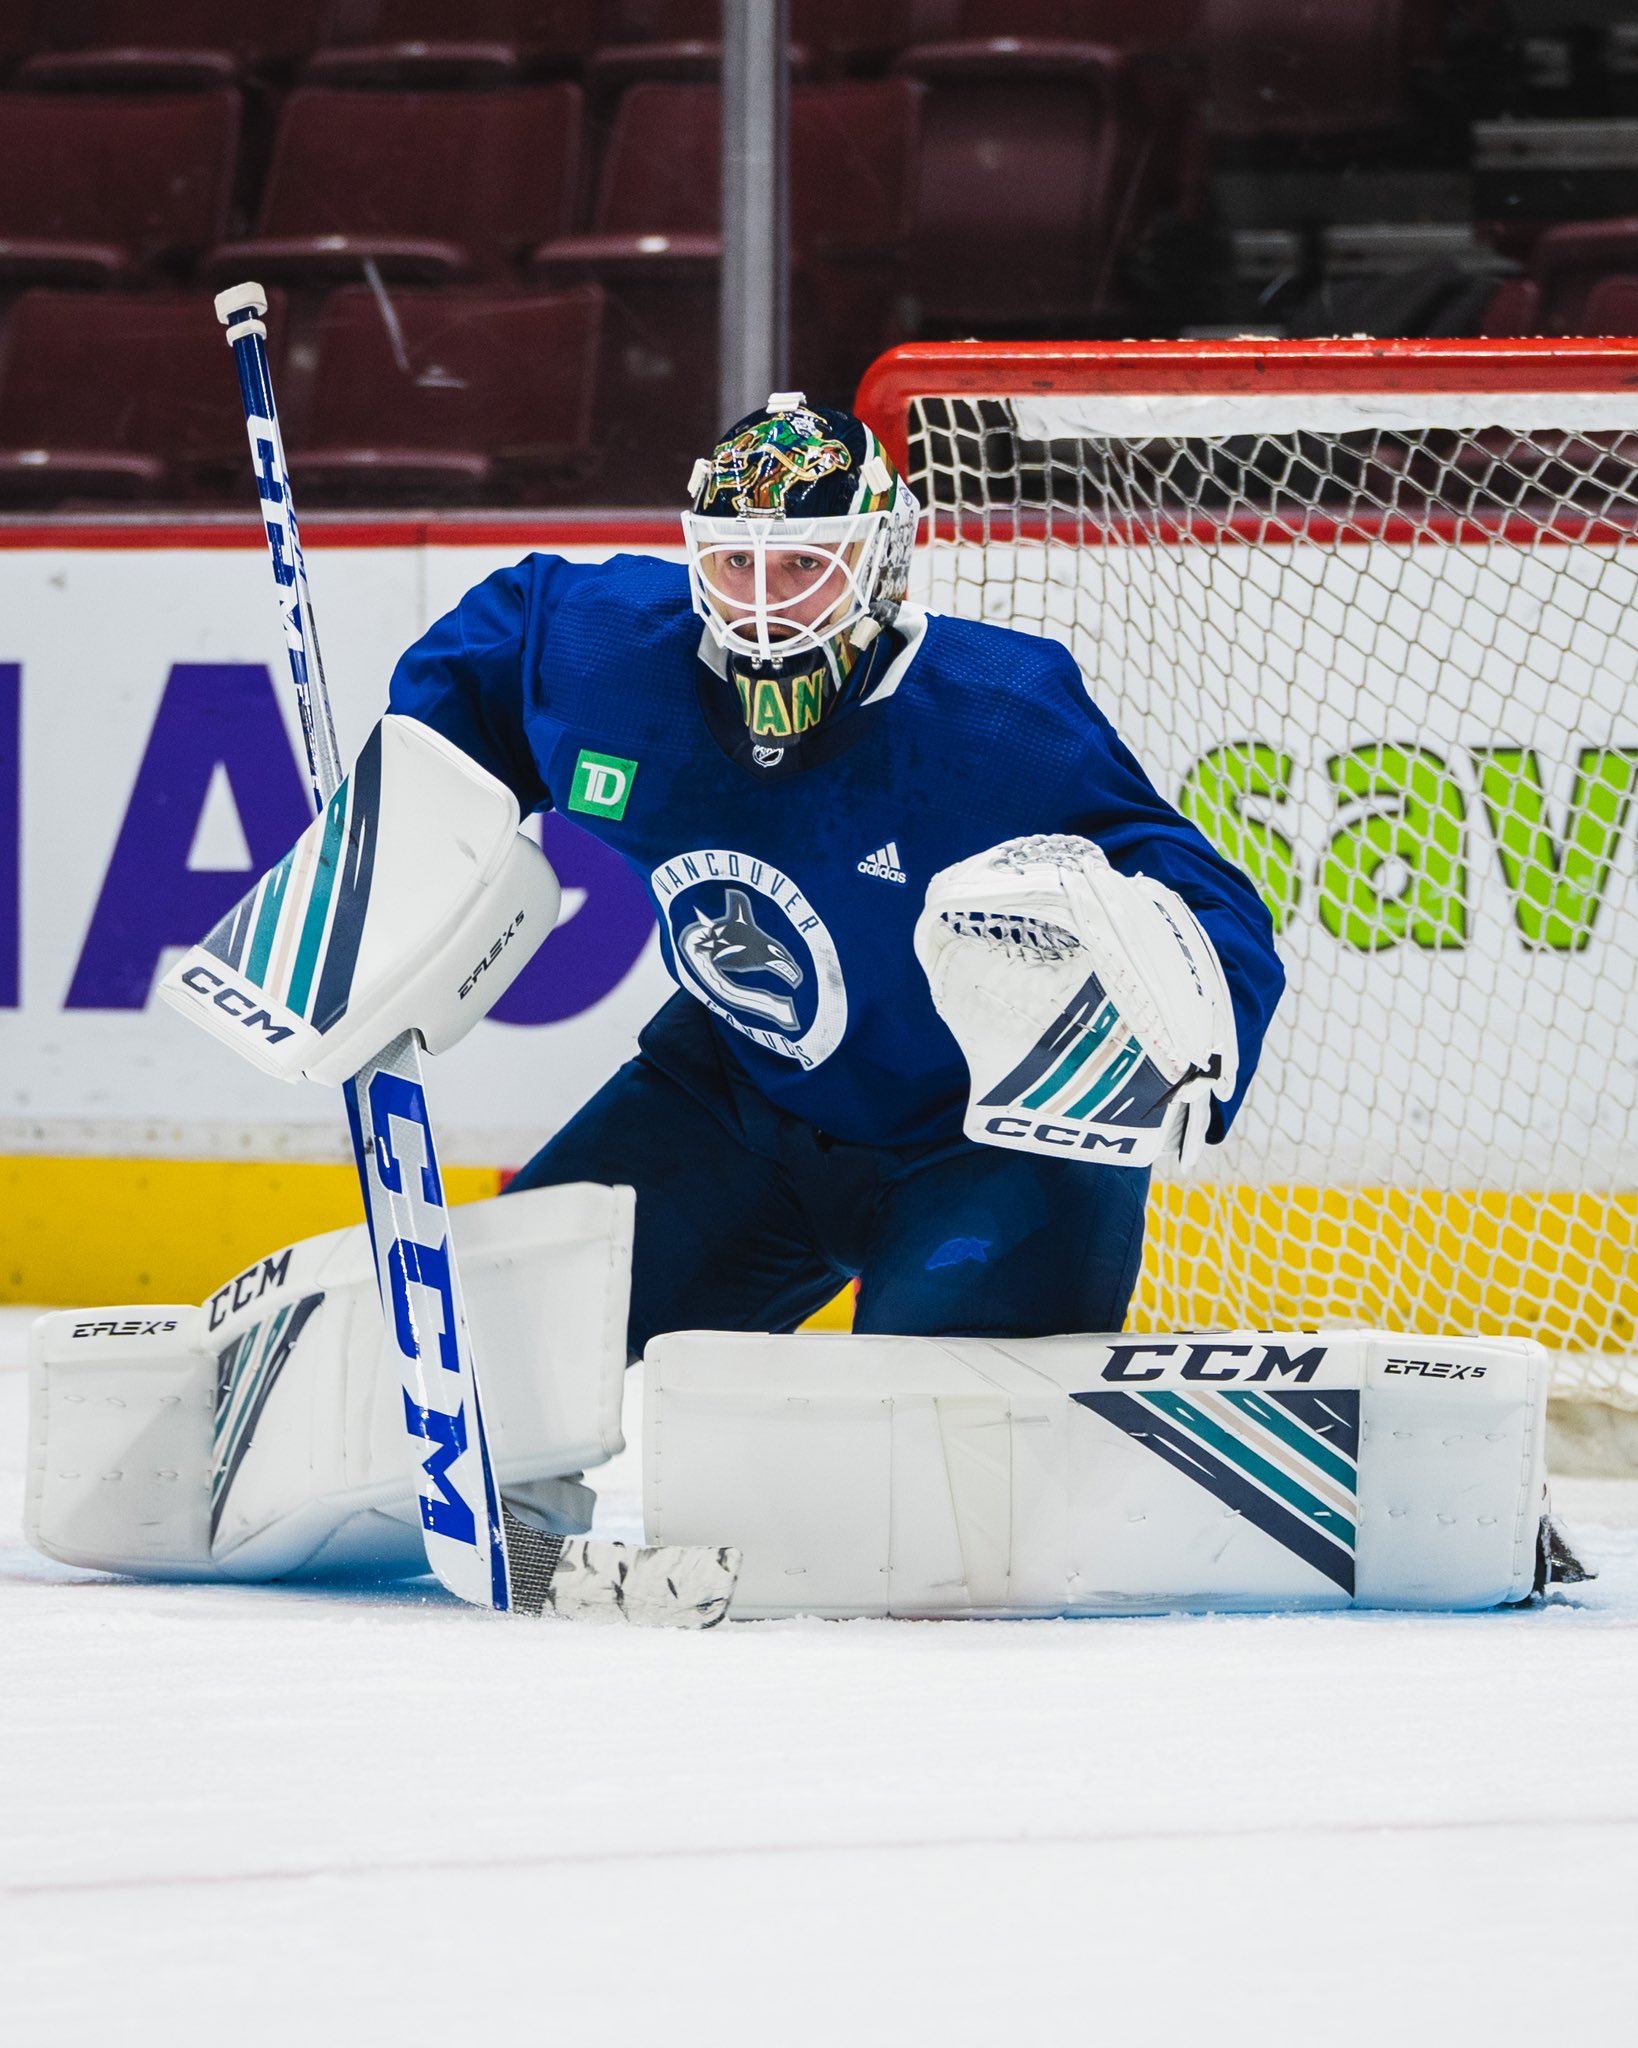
point(411, 903)
point(1090, 1006)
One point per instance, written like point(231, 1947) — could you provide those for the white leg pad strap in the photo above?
point(1091, 1475)
point(263, 1433)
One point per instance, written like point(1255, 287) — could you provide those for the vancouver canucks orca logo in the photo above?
point(744, 939)
point(726, 952)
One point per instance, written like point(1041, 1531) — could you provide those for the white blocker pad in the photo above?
point(1100, 1475)
point(263, 1433)
point(411, 903)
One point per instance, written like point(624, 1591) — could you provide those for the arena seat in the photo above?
point(1118, 24)
point(655, 247)
point(122, 396)
point(16, 24)
point(430, 43)
point(1612, 305)
point(1307, 68)
point(1569, 261)
point(104, 190)
point(1037, 160)
point(831, 32)
point(434, 187)
point(126, 44)
point(465, 393)
point(1514, 309)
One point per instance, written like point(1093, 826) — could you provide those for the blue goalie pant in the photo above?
point(748, 1219)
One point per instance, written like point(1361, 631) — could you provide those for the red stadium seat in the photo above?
point(432, 186)
point(432, 43)
point(834, 31)
point(655, 246)
point(127, 395)
point(123, 44)
point(16, 31)
point(1119, 24)
point(1037, 161)
point(99, 191)
point(1514, 309)
point(1569, 261)
point(463, 394)
point(1309, 67)
point(1612, 305)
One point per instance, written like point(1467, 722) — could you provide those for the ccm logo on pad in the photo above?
point(1207, 1361)
point(238, 1003)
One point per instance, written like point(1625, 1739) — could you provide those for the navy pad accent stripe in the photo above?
point(226, 941)
point(352, 888)
point(1334, 1416)
point(1146, 1425)
point(1053, 1043)
point(247, 1433)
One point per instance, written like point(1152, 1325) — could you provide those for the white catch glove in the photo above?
point(1090, 1005)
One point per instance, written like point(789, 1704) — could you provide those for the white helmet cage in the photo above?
point(865, 554)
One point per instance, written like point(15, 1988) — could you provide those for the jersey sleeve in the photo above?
point(469, 675)
point(1113, 802)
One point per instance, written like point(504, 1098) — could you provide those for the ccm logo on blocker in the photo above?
point(237, 1002)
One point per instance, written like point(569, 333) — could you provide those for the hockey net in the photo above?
point(1368, 612)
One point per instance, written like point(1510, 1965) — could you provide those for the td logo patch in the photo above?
point(602, 784)
point(742, 937)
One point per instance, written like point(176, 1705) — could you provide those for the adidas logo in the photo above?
point(884, 864)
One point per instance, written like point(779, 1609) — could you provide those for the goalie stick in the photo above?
point(481, 1552)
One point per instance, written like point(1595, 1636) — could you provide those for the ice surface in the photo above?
point(250, 1816)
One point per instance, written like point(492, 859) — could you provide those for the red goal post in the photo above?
point(1368, 612)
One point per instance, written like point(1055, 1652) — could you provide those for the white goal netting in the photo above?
point(1384, 651)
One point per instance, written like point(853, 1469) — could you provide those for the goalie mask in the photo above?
point(799, 535)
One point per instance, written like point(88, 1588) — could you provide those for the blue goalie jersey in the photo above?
point(786, 905)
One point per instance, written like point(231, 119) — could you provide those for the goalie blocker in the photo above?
point(411, 903)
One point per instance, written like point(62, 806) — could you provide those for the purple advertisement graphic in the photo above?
point(592, 950)
point(212, 713)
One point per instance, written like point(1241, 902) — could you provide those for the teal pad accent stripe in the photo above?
point(1185, 1453)
point(274, 885)
point(1253, 1464)
point(1303, 1441)
point(318, 902)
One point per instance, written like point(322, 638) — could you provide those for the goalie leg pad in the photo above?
point(1093, 1476)
point(263, 1433)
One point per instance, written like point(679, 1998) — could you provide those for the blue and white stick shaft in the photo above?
point(386, 1103)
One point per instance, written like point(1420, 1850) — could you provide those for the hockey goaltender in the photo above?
point(952, 978)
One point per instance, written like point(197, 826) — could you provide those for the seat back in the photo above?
point(1612, 305)
point(502, 374)
point(662, 169)
point(146, 373)
point(544, 31)
point(149, 174)
point(494, 172)
point(1026, 180)
point(255, 36)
